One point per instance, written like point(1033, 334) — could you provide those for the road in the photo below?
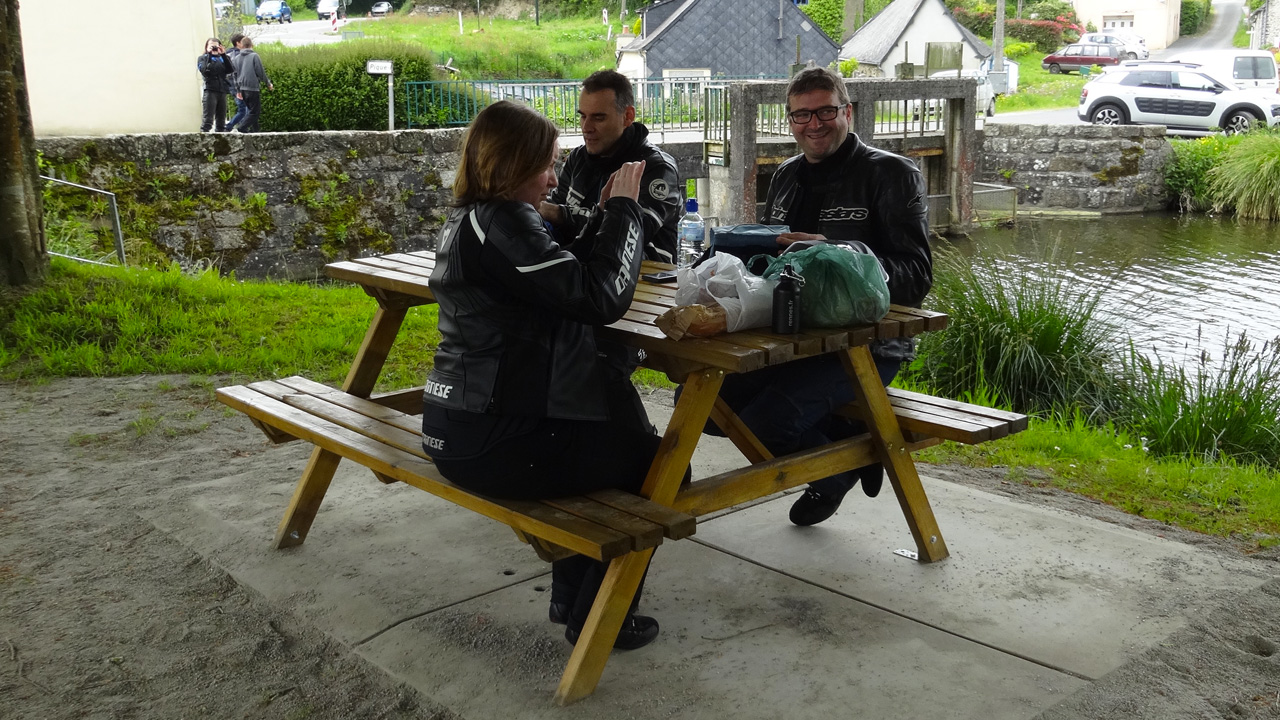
point(1226, 18)
point(303, 32)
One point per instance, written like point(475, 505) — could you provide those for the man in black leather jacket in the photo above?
point(837, 190)
point(611, 137)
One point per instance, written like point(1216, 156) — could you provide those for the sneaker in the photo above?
point(559, 613)
point(813, 507)
point(637, 631)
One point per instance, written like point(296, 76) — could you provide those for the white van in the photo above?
point(1243, 68)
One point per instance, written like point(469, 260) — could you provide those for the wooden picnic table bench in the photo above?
point(381, 432)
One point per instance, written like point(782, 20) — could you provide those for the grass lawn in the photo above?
point(100, 321)
point(1038, 89)
point(508, 49)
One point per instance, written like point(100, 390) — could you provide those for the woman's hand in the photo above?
point(624, 183)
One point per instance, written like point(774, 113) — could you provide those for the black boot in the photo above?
point(637, 631)
point(812, 507)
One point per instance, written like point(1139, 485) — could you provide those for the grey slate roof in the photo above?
point(731, 37)
point(871, 44)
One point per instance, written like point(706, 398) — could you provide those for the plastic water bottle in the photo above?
point(693, 231)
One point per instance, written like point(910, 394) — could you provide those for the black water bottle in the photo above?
point(786, 302)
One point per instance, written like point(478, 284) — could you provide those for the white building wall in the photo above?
point(127, 66)
point(930, 24)
point(1155, 20)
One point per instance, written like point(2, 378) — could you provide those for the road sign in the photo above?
point(378, 67)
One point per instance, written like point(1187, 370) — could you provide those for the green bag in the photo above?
point(841, 286)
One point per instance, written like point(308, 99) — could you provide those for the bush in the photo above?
point(1017, 49)
point(1230, 408)
point(1187, 174)
point(1194, 13)
point(979, 22)
point(1247, 176)
point(829, 15)
point(1031, 340)
point(1046, 34)
point(848, 67)
point(325, 87)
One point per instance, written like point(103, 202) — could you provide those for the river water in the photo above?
point(1183, 284)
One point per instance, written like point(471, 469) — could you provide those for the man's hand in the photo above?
point(625, 182)
point(550, 213)
point(792, 237)
point(239, 96)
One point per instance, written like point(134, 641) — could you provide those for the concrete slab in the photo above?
point(760, 619)
point(782, 649)
point(1066, 591)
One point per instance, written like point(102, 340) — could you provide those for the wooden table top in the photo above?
point(407, 274)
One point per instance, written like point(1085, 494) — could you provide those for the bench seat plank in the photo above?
point(947, 419)
point(675, 525)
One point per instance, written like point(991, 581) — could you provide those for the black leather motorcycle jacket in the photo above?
point(871, 196)
point(584, 175)
point(516, 310)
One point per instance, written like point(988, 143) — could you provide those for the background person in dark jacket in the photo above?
point(250, 77)
point(216, 67)
point(838, 189)
point(515, 404)
point(611, 137)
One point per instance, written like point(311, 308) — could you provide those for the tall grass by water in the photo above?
point(1032, 341)
point(1247, 179)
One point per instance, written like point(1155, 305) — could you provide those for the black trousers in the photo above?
point(560, 458)
point(215, 112)
point(253, 102)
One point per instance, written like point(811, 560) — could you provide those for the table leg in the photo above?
point(623, 576)
point(894, 454)
point(591, 652)
point(311, 488)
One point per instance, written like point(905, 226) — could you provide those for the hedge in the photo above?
point(325, 87)
point(1194, 15)
point(1046, 34)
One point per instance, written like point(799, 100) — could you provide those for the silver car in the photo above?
point(380, 9)
point(1131, 46)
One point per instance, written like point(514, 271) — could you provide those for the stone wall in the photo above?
point(266, 205)
point(1110, 169)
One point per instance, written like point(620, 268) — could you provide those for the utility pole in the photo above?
point(23, 258)
point(997, 37)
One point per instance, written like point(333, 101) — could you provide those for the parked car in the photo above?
point(328, 8)
point(1081, 55)
point(985, 102)
point(277, 10)
point(1181, 96)
point(221, 9)
point(1130, 45)
point(380, 9)
point(1244, 68)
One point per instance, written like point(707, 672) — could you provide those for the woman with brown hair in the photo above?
point(515, 406)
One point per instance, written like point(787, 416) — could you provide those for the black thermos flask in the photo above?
point(786, 302)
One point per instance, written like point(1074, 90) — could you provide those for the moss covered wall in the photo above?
point(266, 205)
point(1082, 167)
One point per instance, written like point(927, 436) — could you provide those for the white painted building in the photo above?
point(901, 33)
point(126, 66)
point(1156, 20)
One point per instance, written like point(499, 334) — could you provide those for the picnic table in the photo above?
point(381, 432)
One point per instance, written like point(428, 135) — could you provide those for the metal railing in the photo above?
point(991, 204)
point(675, 103)
point(115, 217)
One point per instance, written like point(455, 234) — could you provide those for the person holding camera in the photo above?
point(216, 68)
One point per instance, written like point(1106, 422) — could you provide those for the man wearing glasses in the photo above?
point(837, 190)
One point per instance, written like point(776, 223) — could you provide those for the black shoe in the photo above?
point(813, 507)
point(872, 480)
point(558, 613)
point(637, 631)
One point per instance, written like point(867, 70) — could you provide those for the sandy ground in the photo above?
point(102, 615)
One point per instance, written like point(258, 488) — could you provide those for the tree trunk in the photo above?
point(23, 260)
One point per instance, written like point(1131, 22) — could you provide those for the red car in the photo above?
point(1080, 55)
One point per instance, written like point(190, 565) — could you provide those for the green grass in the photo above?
point(508, 49)
point(1247, 177)
point(1222, 497)
point(100, 321)
point(1038, 89)
point(1241, 38)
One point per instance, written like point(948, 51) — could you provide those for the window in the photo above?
point(1071, 51)
point(1192, 81)
point(1147, 79)
point(1116, 21)
point(1253, 68)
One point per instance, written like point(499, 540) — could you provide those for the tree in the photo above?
point(829, 15)
point(23, 259)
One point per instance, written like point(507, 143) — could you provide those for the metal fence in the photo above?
point(675, 103)
point(991, 204)
point(115, 217)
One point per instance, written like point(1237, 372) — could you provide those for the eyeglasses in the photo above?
point(802, 117)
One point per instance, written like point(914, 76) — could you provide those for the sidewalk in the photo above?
point(760, 619)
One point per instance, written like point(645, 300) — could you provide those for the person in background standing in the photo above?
point(216, 67)
point(241, 110)
point(250, 77)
